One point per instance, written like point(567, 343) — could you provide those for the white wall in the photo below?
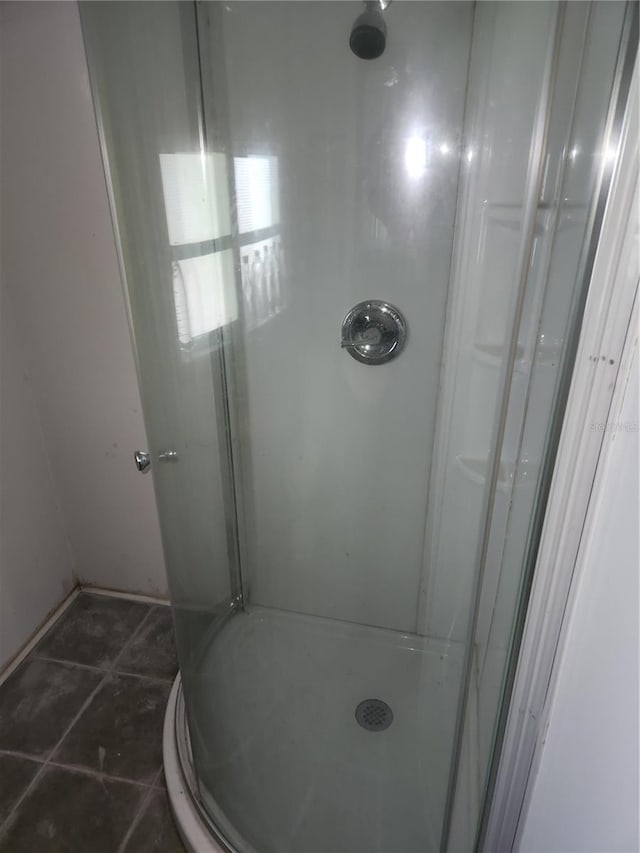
point(586, 793)
point(36, 563)
point(59, 263)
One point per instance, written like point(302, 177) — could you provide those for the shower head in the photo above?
point(369, 32)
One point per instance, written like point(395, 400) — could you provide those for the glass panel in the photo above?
point(173, 216)
point(575, 156)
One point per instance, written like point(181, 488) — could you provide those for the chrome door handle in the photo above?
point(143, 459)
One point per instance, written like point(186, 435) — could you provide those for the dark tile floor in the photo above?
point(81, 734)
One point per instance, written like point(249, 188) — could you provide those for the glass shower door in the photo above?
point(167, 213)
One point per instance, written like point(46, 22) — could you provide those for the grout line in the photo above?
point(129, 596)
point(16, 753)
point(144, 619)
point(20, 800)
point(154, 679)
point(102, 669)
point(95, 774)
point(79, 768)
point(144, 802)
point(38, 635)
point(157, 784)
point(158, 679)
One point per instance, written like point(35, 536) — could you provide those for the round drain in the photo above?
point(374, 715)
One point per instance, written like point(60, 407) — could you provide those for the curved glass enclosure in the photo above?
point(353, 285)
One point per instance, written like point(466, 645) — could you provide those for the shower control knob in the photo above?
point(373, 332)
point(142, 460)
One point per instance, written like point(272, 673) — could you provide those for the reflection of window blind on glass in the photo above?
point(256, 192)
point(204, 294)
point(196, 197)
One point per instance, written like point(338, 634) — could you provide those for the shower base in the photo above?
point(283, 764)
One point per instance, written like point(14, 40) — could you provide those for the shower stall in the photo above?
point(356, 241)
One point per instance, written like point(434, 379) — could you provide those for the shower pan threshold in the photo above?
point(275, 702)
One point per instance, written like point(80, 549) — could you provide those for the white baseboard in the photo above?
point(116, 593)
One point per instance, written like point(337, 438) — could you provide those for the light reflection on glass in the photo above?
point(256, 183)
point(610, 154)
point(262, 268)
point(197, 206)
point(262, 260)
point(196, 196)
point(415, 157)
point(204, 294)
